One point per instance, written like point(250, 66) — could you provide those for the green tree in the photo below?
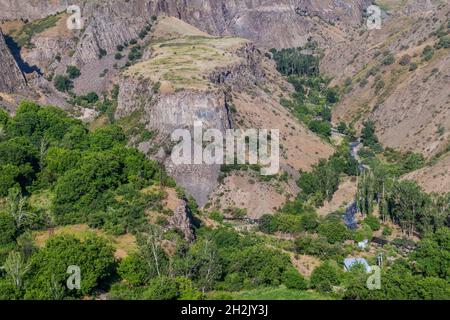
point(324, 277)
point(334, 231)
point(294, 280)
point(162, 288)
point(8, 228)
point(432, 255)
point(134, 270)
point(94, 256)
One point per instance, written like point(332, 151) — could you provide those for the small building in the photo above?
point(350, 262)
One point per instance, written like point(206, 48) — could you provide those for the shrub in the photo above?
point(62, 83)
point(386, 231)
point(333, 231)
point(428, 53)
point(444, 42)
point(73, 72)
point(102, 52)
point(405, 60)
point(135, 53)
point(388, 59)
point(373, 222)
point(143, 34)
point(363, 82)
point(162, 288)
point(134, 270)
point(364, 232)
point(7, 228)
point(379, 85)
point(94, 256)
point(294, 280)
point(413, 66)
point(91, 97)
point(324, 277)
point(287, 223)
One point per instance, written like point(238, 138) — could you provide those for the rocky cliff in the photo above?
point(280, 23)
point(225, 83)
point(11, 78)
point(182, 82)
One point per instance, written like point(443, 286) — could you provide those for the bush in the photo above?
point(413, 66)
point(143, 34)
point(379, 85)
point(324, 277)
point(386, 231)
point(444, 42)
point(364, 232)
point(280, 222)
point(363, 82)
point(294, 280)
point(318, 247)
point(373, 222)
point(102, 52)
point(405, 60)
point(118, 56)
point(162, 288)
point(428, 53)
point(320, 127)
point(135, 53)
point(62, 83)
point(134, 270)
point(91, 97)
point(8, 228)
point(73, 72)
point(94, 256)
point(388, 59)
point(8, 291)
point(333, 231)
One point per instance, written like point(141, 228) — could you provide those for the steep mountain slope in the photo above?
point(11, 78)
point(223, 82)
point(390, 80)
point(434, 178)
point(108, 23)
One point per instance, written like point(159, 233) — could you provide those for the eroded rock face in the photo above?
point(166, 112)
point(183, 221)
point(11, 78)
point(163, 112)
point(276, 23)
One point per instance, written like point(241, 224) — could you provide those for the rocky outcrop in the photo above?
point(182, 220)
point(11, 78)
point(167, 112)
